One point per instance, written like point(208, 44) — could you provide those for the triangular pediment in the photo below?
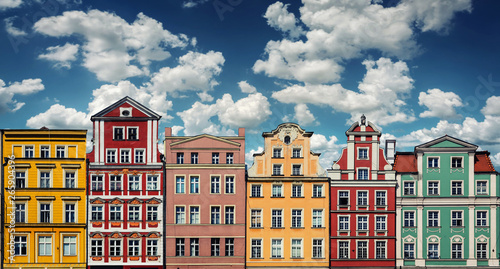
point(204, 141)
point(126, 108)
point(446, 143)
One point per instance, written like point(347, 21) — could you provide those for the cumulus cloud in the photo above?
point(249, 155)
point(303, 115)
point(246, 88)
point(25, 87)
point(112, 48)
point(61, 55)
point(492, 106)
point(52, 119)
point(328, 147)
point(279, 18)
point(6, 4)
point(11, 29)
point(439, 104)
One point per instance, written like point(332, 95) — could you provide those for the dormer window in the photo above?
point(125, 112)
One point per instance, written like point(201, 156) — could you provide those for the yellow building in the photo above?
point(44, 184)
point(288, 203)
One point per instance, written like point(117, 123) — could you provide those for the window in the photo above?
point(433, 218)
point(115, 213)
point(481, 187)
point(44, 152)
point(152, 212)
point(115, 247)
point(20, 246)
point(229, 247)
point(296, 190)
point(195, 247)
point(96, 182)
point(256, 218)
point(456, 188)
point(118, 133)
point(20, 213)
point(96, 248)
point(29, 152)
point(194, 158)
point(179, 247)
point(317, 190)
point(133, 248)
point(343, 250)
point(45, 246)
point(70, 213)
point(60, 152)
point(277, 218)
point(132, 133)
point(44, 179)
point(287, 140)
point(296, 218)
point(409, 251)
point(125, 156)
point(317, 218)
point(45, 213)
point(195, 185)
point(409, 219)
point(276, 248)
point(380, 249)
point(343, 223)
point(296, 170)
point(409, 188)
point(362, 153)
point(179, 184)
point(456, 251)
point(229, 158)
point(69, 245)
point(362, 223)
point(20, 180)
point(343, 198)
point(229, 184)
point(111, 155)
point(180, 215)
point(362, 198)
point(215, 215)
point(215, 184)
point(380, 198)
point(277, 190)
point(139, 156)
point(481, 218)
point(433, 250)
point(296, 153)
point(134, 213)
point(362, 250)
point(456, 162)
point(380, 223)
point(152, 183)
point(456, 218)
point(134, 183)
point(296, 248)
point(277, 170)
point(317, 248)
point(481, 249)
point(229, 215)
point(152, 247)
point(215, 158)
point(362, 174)
point(432, 162)
point(115, 183)
point(433, 187)
point(277, 153)
point(70, 180)
point(97, 212)
point(256, 191)
point(256, 248)
point(180, 158)
point(215, 247)
point(194, 215)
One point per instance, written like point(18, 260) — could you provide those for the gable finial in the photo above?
point(363, 120)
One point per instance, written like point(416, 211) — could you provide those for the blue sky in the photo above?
point(417, 69)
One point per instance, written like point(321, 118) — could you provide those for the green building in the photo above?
point(446, 207)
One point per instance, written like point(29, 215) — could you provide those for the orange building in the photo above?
point(288, 203)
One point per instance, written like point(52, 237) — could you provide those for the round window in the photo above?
point(125, 113)
point(287, 140)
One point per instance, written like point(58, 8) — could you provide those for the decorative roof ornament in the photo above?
point(363, 120)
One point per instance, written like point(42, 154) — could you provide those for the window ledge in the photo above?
point(297, 227)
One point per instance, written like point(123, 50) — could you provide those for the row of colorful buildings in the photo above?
point(126, 205)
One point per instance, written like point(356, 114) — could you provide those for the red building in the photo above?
point(363, 202)
point(125, 177)
point(205, 202)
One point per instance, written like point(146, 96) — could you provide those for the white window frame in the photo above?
point(136, 182)
point(294, 169)
point(344, 225)
point(438, 162)
point(348, 197)
point(256, 219)
point(142, 155)
point(461, 187)
point(277, 167)
point(294, 150)
point(229, 158)
point(277, 220)
point(377, 249)
point(377, 204)
point(152, 185)
point(461, 219)
point(215, 184)
point(278, 248)
point(461, 162)
point(277, 152)
point(382, 223)
point(301, 190)
point(433, 220)
point(125, 153)
point(460, 251)
point(278, 186)
point(358, 157)
point(485, 219)
point(194, 216)
point(297, 218)
point(44, 148)
point(345, 248)
point(134, 249)
point(63, 149)
point(296, 247)
point(195, 183)
point(123, 133)
point(136, 132)
point(362, 222)
point(74, 211)
point(120, 212)
point(412, 219)
point(429, 188)
point(180, 216)
point(315, 189)
point(409, 188)
point(118, 182)
point(49, 243)
point(366, 199)
point(215, 158)
point(181, 184)
point(321, 246)
point(358, 173)
point(115, 249)
point(257, 186)
point(214, 214)
point(32, 150)
point(108, 155)
point(97, 212)
point(486, 192)
point(362, 249)
point(75, 178)
point(258, 246)
point(51, 181)
point(230, 185)
point(50, 214)
point(317, 220)
point(230, 214)
point(134, 215)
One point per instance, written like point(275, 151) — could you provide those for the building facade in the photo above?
point(44, 198)
point(205, 216)
point(287, 203)
point(447, 205)
point(363, 202)
point(125, 181)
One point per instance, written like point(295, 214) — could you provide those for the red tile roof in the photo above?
point(482, 162)
point(405, 162)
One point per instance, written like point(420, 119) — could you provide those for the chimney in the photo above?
point(390, 150)
point(241, 132)
point(168, 131)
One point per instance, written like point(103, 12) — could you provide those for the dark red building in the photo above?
point(125, 188)
point(363, 202)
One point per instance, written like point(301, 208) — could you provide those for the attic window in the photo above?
point(125, 112)
point(287, 140)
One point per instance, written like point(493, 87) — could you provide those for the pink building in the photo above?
point(205, 201)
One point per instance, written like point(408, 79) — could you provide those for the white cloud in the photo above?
point(176, 129)
point(113, 49)
point(279, 18)
point(328, 147)
point(61, 55)
point(205, 97)
point(495, 159)
point(492, 106)
point(197, 121)
point(52, 119)
point(11, 29)
point(249, 155)
point(246, 88)
point(303, 115)
point(25, 87)
point(5, 4)
point(439, 104)
point(193, 3)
